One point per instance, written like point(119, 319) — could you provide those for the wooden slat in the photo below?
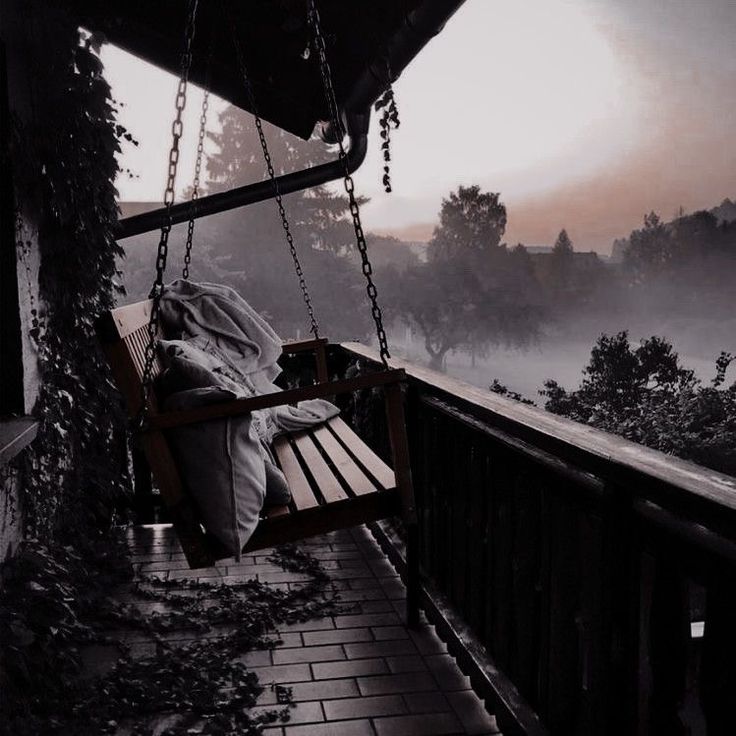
point(137, 352)
point(298, 346)
point(325, 479)
point(370, 461)
point(301, 492)
point(129, 318)
point(273, 511)
point(346, 466)
point(321, 519)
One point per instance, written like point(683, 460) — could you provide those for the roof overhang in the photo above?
point(365, 39)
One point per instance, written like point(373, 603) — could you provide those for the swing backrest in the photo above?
point(124, 332)
point(124, 335)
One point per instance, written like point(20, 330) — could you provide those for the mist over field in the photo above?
point(588, 252)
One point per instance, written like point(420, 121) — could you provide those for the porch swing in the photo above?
point(336, 480)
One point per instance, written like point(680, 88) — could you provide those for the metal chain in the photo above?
point(314, 327)
point(177, 128)
point(195, 185)
point(326, 74)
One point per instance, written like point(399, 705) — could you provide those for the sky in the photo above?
point(583, 114)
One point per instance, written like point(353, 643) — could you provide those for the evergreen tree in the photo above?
point(247, 247)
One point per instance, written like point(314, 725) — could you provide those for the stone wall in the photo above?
point(20, 45)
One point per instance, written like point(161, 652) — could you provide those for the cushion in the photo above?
point(221, 461)
point(278, 492)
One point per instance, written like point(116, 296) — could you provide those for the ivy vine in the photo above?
point(56, 602)
point(389, 120)
point(65, 171)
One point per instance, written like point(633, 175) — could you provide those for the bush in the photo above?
point(644, 394)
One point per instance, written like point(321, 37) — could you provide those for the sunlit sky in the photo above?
point(582, 114)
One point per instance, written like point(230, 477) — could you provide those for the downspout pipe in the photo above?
point(357, 126)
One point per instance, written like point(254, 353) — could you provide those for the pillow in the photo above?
point(278, 492)
point(221, 461)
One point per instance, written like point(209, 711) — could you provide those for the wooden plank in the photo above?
point(322, 519)
point(301, 493)
point(525, 579)
point(345, 465)
point(328, 485)
point(477, 539)
point(273, 511)
point(718, 679)
point(367, 458)
point(396, 424)
point(561, 711)
point(137, 352)
point(320, 360)
point(297, 346)
point(457, 487)
point(129, 318)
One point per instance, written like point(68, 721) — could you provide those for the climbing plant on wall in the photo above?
point(76, 470)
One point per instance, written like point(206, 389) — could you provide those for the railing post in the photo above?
point(142, 486)
point(402, 468)
point(718, 668)
point(669, 637)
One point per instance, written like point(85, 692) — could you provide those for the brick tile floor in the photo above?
point(361, 673)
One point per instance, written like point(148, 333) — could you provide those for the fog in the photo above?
point(611, 127)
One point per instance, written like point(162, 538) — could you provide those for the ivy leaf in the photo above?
point(24, 637)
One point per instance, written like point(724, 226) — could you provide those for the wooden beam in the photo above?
point(281, 398)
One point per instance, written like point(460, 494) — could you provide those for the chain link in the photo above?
point(326, 74)
point(314, 327)
point(177, 128)
point(195, 185)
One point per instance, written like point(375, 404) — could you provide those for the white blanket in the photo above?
point(217, 320)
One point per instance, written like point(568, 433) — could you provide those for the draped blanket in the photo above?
point(219, 348)
point(218, 321)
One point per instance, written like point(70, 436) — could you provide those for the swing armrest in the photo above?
point(238, 407)
point(300, 346)
point(319, 346)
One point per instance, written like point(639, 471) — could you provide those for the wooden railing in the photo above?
point(599, 575)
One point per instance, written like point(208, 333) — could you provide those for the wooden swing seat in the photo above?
point(336, 480)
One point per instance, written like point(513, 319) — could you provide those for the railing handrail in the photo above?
point(578, 560)
point(593, 449)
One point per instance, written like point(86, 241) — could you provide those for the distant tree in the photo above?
point(561, 268)
point(563, 245)
point(644, 394)
point(649, 250)
point(387, 250)
point(685, 266)
point(318, 214)
point(472, 292)
point(471, 222)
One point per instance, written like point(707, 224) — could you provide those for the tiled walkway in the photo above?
point(359, 674)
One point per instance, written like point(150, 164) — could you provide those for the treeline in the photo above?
point(466, 291)
point(644, 393)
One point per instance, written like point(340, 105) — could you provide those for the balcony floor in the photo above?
point(362, 673)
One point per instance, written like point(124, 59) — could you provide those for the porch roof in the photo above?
point(360, 35)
